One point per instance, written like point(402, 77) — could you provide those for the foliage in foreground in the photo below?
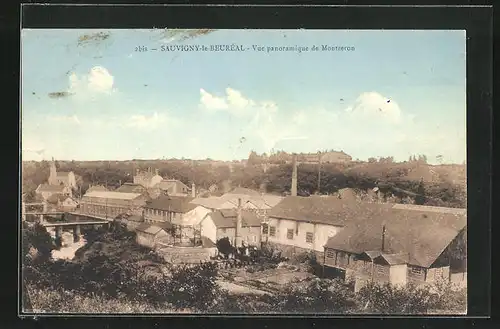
point(103, 281)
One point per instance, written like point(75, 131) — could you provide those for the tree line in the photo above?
point(312, 179)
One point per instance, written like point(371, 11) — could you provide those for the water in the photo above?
point(68, 249)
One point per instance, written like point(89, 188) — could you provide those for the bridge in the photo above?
point(78, 220)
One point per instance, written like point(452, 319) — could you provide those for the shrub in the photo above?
point(318, 296)
point(194, 287)
point(389, 299)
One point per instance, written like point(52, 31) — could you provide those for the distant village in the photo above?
point(363, 240)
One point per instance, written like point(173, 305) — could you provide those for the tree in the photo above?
point(194, 287)
point(372, 160)
point(38, 238)
point(224, 246)
point(420, 199)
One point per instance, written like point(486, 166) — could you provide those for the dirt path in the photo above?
point(237, 289)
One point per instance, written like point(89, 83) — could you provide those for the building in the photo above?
point(153, 235)
point(173, 187)
point(304, 224)
point(46, 190)
point(131, 188)
point(62, 202)
point(111, 204)
point(404, 243)
point(147, 178)
point(61, 178)
point(96, 188)
point(335, 157)
point(131, 222)
point(222, 223)
point(166, 208)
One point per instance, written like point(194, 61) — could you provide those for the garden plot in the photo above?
point(266, 279)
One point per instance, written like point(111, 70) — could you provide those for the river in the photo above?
point(68, 249)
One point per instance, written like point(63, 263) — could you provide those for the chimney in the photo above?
point(383, 238)
point(238, 225)
point(294, 176)
point(193, 190)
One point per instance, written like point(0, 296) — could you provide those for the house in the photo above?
point(214, 203)
point(61, 178)
point(62, 202)
point(335, 157)
point(97, 188)
point(166, 208)
point(47, 190)
point(222, 223)
point(131, 188)
point(403, 243)
point(173, 187)
point(153, 235)
point(147, 178)
point(110, 204)
point(304, 224)
point(130, 221)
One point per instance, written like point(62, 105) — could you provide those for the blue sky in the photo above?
point(397, 93)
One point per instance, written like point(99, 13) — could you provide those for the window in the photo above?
point(330, 253)
point(272, 231)
point(416, 270)
point(289, 234)
point(265, 229)
point(254, 238)
point(224, 230)
point(309, 237)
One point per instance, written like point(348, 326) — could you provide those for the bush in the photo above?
point(389, 299)
point(194, 287)
point(318, 296)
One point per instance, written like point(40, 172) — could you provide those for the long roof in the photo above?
point(131, 188)
point(171, 203)
point(54, 198)
point(210, 202)
point(50, 188)
point(227, 218)
point(324, 210)
point(422, 233)
point(112, 195)
point(166, 184)
point(152, 229)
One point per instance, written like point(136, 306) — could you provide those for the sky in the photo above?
point(91, 95)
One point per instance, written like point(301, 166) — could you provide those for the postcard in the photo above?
point(205, 171)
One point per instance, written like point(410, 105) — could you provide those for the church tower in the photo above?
point(53, 173)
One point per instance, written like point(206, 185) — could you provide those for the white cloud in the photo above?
point(372, 105)
point(98, 81)
point(211, 102)
point(66, 119)
point(144, 122)
point(232, 102)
